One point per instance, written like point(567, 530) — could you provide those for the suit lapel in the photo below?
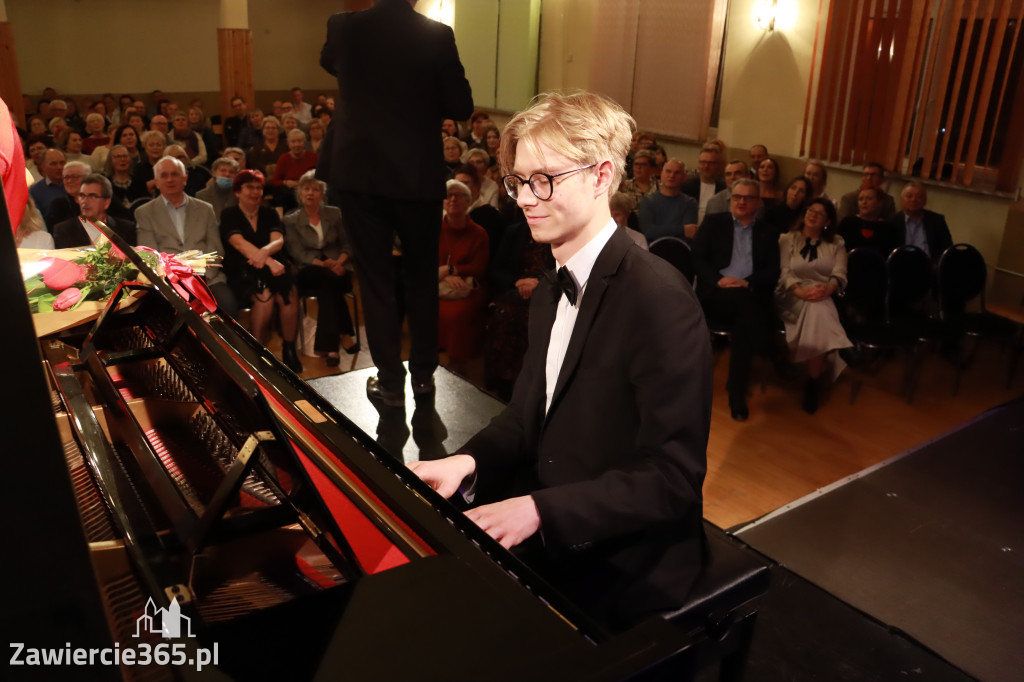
point(604, 267)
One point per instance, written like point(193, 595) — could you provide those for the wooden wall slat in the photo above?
point(925, 115)
point(234, 56)
point(932, 131)
point(986, 92)
point(958, 80)
point(1002, 89)
point(885, 85)
point(810, 77)
point(854, 145)
point(972, 108)
point(828, 85)
point(912, 36)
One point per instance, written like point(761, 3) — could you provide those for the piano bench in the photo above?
point(719, 612)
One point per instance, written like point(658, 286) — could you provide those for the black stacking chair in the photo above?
point(720, 610)
point(677, 252)
point(963, 276)
point(909, 307)
point(864, 316)
point(141, 201)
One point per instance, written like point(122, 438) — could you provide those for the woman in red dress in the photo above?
point(463, 254)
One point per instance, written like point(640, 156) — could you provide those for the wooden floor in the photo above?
point(782, 454)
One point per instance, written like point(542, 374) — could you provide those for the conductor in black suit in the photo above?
point(607, 430)
point(399, 76)
point(736, 256)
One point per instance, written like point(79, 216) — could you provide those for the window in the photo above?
point(926, 87)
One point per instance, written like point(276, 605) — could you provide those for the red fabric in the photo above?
point(12, 168)
point(461, 322)
point(188, 286)
point(290, 168)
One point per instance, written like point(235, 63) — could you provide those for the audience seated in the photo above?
point(264, 155)
point(70, 142)
point(51, 187)
point(219, 193)
point(256, 265)
point(872, 177)
point(492, 142)
point(868, 228)
point(641, 140)
point(622, 207)
point(94, 195)
point(817, 175)
point(643, 182)
point(736, 258)
point(757, 154)
point(720, 203)
point(118, 169)
point(251, 135)
point(813, 269)
point(453, 151)
point(480, 212)
point(200, 125)
point(32, 232)
point(767, 173)
point(234, 124)
point(66, 206)
point(786, 214)
point(175, 222)
point(153, 145)
point(318, 246)
point(707, 183)
point(315, 132)
point(489, 192)
point(463, 253)
point(449, 128)
point(238, 154)
point(290, 167)
point(96, 131)
point(181, 134)
point(36, 147)
point(917, 226)
point(198, 176)
point(303, 110)
point(479, 121)
point(669, 212)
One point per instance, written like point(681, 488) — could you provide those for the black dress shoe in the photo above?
point(333, 360)
point(739, 410)
point(353, 349)
point(374, 391)
point(811, 396)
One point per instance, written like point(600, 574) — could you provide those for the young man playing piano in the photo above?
point(606, 433)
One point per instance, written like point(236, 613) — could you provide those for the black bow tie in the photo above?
point(563, 283)
point(810, 250)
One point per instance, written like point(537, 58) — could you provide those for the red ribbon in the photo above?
point(184, 281)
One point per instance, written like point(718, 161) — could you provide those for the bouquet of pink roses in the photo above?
point(65, 284)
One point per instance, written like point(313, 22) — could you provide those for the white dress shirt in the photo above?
point(579, 267)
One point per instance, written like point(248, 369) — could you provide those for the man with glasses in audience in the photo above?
point(736, 257)
point(66, 206)
point(383, 165)
point(872, 178)
point(721, 202)
point(605, 438)
point(708, 181)
point(93, 197)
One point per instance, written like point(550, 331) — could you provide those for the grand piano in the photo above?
point(161, 461)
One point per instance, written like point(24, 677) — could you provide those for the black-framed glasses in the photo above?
point(541, 184)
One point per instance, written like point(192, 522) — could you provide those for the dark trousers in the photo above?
point(372, 224)
point(748, 316)
point(226, 299)
point(332, 319)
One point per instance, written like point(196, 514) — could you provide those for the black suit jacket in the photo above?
point(712, 251)
point(399, 76)
point(70, 233)
point(935, 231)
point(618, 462)
point(691, 187)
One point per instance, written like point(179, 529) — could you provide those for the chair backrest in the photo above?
point(910, 278)
point(866, 283)
point(141, 201)
point(675, 251)
point(962, 277)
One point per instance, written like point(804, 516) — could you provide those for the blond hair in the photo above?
point(582, 126)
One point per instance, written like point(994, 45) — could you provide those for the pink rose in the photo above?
point(67, 298)
point(62, 274)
